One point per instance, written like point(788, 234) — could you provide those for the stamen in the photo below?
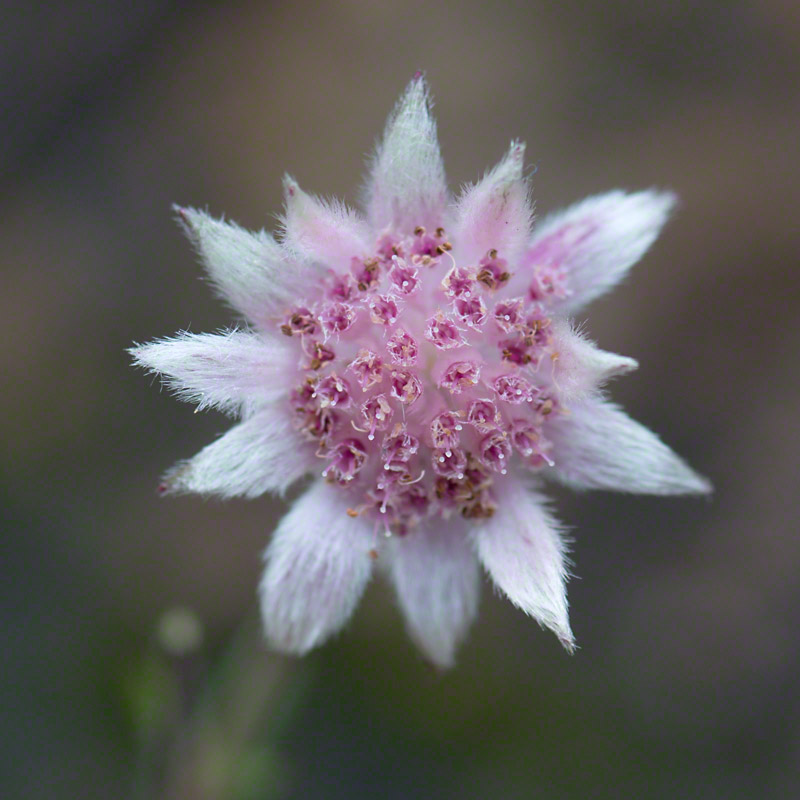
point(406, 387)
point(383, 310)
point(496, 451)
point(471, 310)
point(365, 272)
point(347, 460)
point(492, 271)
point(444, 430)
point(337, 318)
point(377, 413)
point(460, 375)
point(443, 332)
point(450, 463)
point(368, 369)
point(300, 320)
point(483, 415)
point(458, 283)
point(398, 448)
point(402, 348)
point(508, 314)
point(514, 389)
point(332, 391)
point(404, 278)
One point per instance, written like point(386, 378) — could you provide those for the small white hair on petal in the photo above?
point(495, 213)
point(596, 445)
point(524, 551)
point(436, 576)
point(322, 230)
point(317, 567)
point(264, 453)
point(230, 371)
point(407, 185)
point(598, 240)
point(580, 368)
point(249, 269)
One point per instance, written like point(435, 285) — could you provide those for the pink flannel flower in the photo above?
point(419, 361)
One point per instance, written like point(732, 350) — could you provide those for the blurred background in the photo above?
point(132, 664)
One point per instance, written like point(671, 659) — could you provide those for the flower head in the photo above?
point(420, 363)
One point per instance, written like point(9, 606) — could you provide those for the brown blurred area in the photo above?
point(686, 684)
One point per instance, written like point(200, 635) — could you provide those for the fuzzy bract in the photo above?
point(419, 361)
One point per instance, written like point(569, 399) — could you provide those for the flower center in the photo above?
point(421, 382)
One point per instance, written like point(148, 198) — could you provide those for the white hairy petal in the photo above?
point(317, 567)
point(522, 549)
point(435, 573)
point(262, 454)
point(579, 367)
point(596, 445)
point(250, 270)
point(227, 371)
point(407, 186)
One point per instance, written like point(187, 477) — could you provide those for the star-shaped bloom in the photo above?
point(418, 360)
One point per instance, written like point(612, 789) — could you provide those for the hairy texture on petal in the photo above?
point(317, 567)
point(436, 576)
point(262, 454)
point(522, 549)
point(326, 232)
point(250, 270)
point(598, 240)
point(579, 367)
point(407, 184)
point(598, 446)
point(228, 371)
point(495, 213)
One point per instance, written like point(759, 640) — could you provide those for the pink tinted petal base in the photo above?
point(326, 232)
point(597, 241)
point(495, 214)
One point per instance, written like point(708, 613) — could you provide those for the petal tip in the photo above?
point(567, 640)
point(290, 187)
point(700, 485)
point(626, 365)
point(618, 365)
point(440, 660)
point(186, 216)
point(509, 170)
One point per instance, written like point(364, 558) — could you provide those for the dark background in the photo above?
point(686, 611)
